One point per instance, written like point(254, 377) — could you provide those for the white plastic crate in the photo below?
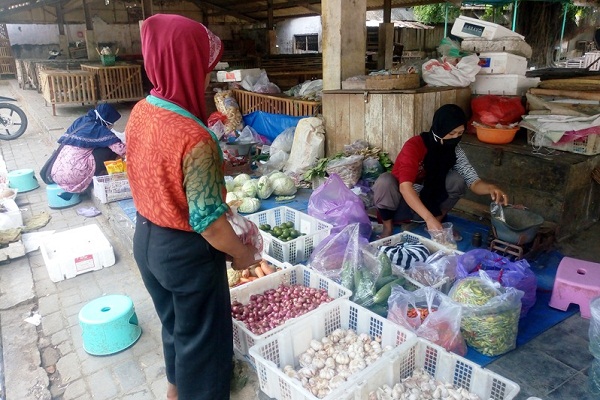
point(440, 364)
point(285, 348)
point(243, 339)
point(589, 145)
point(75, 251)
point(466, 27)
point(445, 284)
point(112, 187)
point(502, 63)
point(297, 250)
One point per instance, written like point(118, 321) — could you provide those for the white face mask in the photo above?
point(98, 116)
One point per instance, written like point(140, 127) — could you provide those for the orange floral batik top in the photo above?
point(175, 166)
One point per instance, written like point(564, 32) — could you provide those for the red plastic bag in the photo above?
point(492, 110)
point(216, 117)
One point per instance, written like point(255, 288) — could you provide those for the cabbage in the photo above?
point(284, 186)
point(249, 205)
point(264, 188)
point(231, 196)
point(229, 185)
point(249, 188)
point(276, 175)
point(241, 179)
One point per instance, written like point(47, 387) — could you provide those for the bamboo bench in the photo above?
point(67, 87)
point(275, 104)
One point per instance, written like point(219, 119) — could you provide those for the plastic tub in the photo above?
point(496, 135)
point(520, 226)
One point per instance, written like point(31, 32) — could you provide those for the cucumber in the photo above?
point(384, 293)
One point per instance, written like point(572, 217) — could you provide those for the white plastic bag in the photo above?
point(308, 146)
point(443, 73)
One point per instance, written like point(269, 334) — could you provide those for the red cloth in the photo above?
point(408, 166)
point(178, 54)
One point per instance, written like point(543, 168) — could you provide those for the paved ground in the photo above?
point(48, 361)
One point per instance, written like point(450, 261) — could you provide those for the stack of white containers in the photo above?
point(503, 57)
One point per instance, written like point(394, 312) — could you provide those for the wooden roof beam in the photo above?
point(223, 11)
point(308, 4)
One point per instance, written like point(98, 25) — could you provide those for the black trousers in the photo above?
point(100, 155)
point(187, 280)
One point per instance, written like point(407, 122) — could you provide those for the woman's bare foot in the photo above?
point(388, 228)
point(171, 392)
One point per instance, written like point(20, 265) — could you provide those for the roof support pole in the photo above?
point(344, 40)
point(63, 41)
point(385, 48)
point(562, 31)
point(91, 44)
point(446, 19)
point(515, 8)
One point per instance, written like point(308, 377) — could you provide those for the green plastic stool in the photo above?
point(109, 324)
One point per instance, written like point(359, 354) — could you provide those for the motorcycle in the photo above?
point(13, 121)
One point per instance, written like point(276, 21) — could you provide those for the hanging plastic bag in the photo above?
point(334, 203)
point(430, 315)
point(516, 274)
point(247, 231)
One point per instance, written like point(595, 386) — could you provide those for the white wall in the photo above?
point(286, 30)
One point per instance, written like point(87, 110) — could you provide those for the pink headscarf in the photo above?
point(178, 53)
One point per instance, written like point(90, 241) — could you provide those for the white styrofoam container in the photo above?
point(75, 251)
point(502, 63)
point(445, 284)
point(442, 365)
point(112, 187)
point(513, 45)
point(466, 27)
point(293, 251)
point(243, 338)
point(503, 85)
point(11, 218)
point(237, 75)
point(273, 354)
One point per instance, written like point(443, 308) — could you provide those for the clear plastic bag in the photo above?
point(438, 266)
point(430, 314)
point(497, 211)
point(247, 231)
point(444, 236)
point(348, 168)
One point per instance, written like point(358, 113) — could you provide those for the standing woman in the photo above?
point(182, 236)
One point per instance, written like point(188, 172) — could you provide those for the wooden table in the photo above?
point(119, 82)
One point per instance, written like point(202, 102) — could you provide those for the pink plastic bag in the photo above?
point(247, 231)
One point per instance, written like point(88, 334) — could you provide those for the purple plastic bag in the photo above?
point(339, 206)
point(516, 274)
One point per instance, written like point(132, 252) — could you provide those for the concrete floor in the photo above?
point(553, 366)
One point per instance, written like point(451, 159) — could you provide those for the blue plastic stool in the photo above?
point(23, 179)
point(54, 201)
point(109, 324)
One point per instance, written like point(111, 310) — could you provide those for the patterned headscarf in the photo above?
point(178, 53)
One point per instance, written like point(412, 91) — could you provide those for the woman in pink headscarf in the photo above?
point(182, 236)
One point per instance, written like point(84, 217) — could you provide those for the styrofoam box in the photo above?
point(407, 237)
point(509, 45)
point(75, 251)
point(284, 348)
point(441, 364)
point(237, 75)
point(502, 63)
point(11, 218)
point(503, 85)
point(466, 27)
point(112, 187)
point(297, 250)
point(243, 339)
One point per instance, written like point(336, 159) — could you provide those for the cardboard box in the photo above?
point(503, 85)
point(502, 63)
point(237, 75)
point(466, 27)
point(76, 251)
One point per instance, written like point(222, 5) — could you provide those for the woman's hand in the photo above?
point(245, 258)
point(498, 195)
point(433, 225)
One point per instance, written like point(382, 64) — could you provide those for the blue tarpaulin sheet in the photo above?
point(270, 125)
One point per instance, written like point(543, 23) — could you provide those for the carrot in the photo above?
point(259, 272)
point(266, 268)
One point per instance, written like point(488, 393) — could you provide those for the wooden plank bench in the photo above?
point(67, 87)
